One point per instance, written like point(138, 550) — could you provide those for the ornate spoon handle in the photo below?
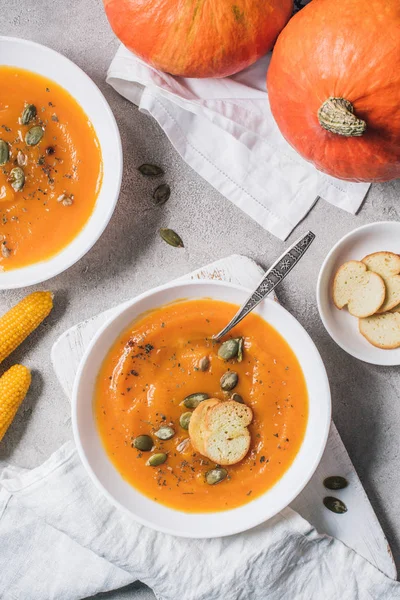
point(271, 279)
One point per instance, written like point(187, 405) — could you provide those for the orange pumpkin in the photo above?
point(334, 87)
point(198, 38)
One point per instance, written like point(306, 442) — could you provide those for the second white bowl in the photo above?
point(201, 525)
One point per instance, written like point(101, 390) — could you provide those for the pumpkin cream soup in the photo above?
point(164, 369)
point(50, 168)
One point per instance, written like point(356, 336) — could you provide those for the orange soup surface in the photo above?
point(48, 189)
point(153, 366)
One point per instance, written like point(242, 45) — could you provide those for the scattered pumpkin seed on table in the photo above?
point(165, 433)
point(28, 114)
point(17, 179)
point(229, 381)
point(335, 482)
point(34, 135)
point(216, 475)
point(171, 237)
point(193, 400)
point(335, 505)
point(161, 194)
point(150, 170)
point(184, 420)
point(157, 459)
point(4, 152)
point(143, 443)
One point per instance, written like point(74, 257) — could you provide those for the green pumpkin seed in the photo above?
point(17, 179)
point(193, 400)
point(34, 135)
point(165, 433)
point(237, 398)
point(240, 350)
point(335, 483)
point(216, 475)
point(143, 443)
point(150, 170)
point(204, 363)
point(335, 505)
point(229, 381)
point(171, 237)
point(161, 194)
point(28, 114)
point(184, 420)
point(229, 349)
point(4, 152)
point(157, 459)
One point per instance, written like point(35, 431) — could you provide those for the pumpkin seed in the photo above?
point(216, 475)
point(34, 135)
point(150, 170)
point(335, 483)
point(229, 349)
point(240, 350)
point(184, 420)
point(161, 194)
point(204, 363)
point(165, 433)
point(335, 505)
point(171, 237)
point(17, 179)
point(229, 381)
point(4, 152)
point(28, 114)
point(237, 398)
point(21, 159)
point(157, 459)
point(183, 446)
point(5, 252)
point(143, 443)
point(193, 400)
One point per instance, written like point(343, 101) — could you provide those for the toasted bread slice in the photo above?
point(361, 290)
point(197, 424)
point(382, 331)
point(226, 436)
point(387, 265)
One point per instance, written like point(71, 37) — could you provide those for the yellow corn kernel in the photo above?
point(14, 385)
point(20, 321)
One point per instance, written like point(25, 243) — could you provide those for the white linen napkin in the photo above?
point(61, 539)
point(224, 129)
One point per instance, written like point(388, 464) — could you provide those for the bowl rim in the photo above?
point(235, 527)
point(320, 289)
point(53, 265)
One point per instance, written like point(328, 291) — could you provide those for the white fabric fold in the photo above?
point(61, 539)
point(224, 129)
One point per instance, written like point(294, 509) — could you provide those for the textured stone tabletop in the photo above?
point(130, 258)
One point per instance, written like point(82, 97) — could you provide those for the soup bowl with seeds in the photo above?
point(194, 437)
point(60, 163)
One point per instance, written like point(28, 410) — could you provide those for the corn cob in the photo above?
point(20, 321)
point(14, 385)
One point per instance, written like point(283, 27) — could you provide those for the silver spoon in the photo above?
point(271, 279)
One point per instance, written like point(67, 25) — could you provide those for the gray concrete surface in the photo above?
point(130, 258)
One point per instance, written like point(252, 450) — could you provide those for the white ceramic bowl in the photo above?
point(203, 525)
point(44, 61)
point(340, 325)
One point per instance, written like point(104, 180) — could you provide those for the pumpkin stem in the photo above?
point(337, 116)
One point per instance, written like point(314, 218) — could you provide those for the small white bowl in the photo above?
point(341, 326)
point(201, 525)
point(44, 61)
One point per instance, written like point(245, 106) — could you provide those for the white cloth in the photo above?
point(224, 129)
point(61, 539)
